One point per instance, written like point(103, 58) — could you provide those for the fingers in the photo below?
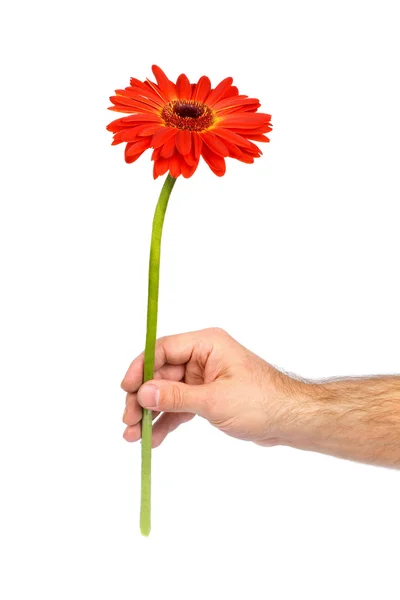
point(133, 410)
point(172, 349)
point(181, 401)
point(166, 423)
point(166, 392)
point(172, 372)
point(133, 431)
point(163, 426)
point(134, 376)
point(177, 349)
point(175, 396)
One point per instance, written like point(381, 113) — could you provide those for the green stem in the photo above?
point(151, 335)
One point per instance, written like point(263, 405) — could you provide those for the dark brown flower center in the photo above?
point(186, 109)
point(187, 114)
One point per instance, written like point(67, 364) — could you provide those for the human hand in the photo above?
point(208, 373)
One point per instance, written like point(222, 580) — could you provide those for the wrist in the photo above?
point(300, 416)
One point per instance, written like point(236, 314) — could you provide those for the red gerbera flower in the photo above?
point(184, 121)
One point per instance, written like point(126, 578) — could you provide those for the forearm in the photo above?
point(354, 418)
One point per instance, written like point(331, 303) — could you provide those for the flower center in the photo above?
point(187, 114)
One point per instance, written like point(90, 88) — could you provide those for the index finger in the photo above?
point(173, 349)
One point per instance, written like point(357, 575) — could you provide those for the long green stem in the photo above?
point(151, 335)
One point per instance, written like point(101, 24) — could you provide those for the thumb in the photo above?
point(175, 396)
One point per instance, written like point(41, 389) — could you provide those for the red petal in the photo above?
point(197, 144)
point(151, 118)
point(137, 83)
point(238, 154)
point(163, 135)
point(214, 143)
point(203, 88)
point(193, 157)
point(116, 125)
point(174, 165)
point(165, 85)
point(120, 108)
point(145, 96)
point(250, 107)
point(131, 122)
point(234, 138)
point(142, 104)
point(160, 167)
point(145, 104)
point(190, 159)
point(258, 138)
point(131, 158)
point(155, 155)
point(255, 131)
point(215, 162)
point(219, 91)
point(128, 135)
point(150, 129)
point(168, 149)
point(237, 102)
point(184, 141)
point(230, 101)
point(188, 170)
point(245, 158)
point(183, 87)
point(245, 120)
point(124, 122)
point(148, 103)
point(157, 91)
point(136, 147)
point(232, 91)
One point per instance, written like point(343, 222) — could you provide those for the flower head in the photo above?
point(183, 121)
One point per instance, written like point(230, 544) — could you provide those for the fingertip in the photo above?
point(134, 376)
point(126, 384)
point(132, 433)
point(155, 443)
point(157, 439)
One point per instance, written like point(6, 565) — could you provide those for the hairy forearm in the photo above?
point(353, 418)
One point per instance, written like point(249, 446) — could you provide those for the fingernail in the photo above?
point(148, 395)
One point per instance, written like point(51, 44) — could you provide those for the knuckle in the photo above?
point(175, 398)
point(216, 331)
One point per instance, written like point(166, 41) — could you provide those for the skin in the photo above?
point(208, 373)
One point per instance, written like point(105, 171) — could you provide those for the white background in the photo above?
point(296, 256)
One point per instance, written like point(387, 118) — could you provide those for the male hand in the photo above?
point(208, 373)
